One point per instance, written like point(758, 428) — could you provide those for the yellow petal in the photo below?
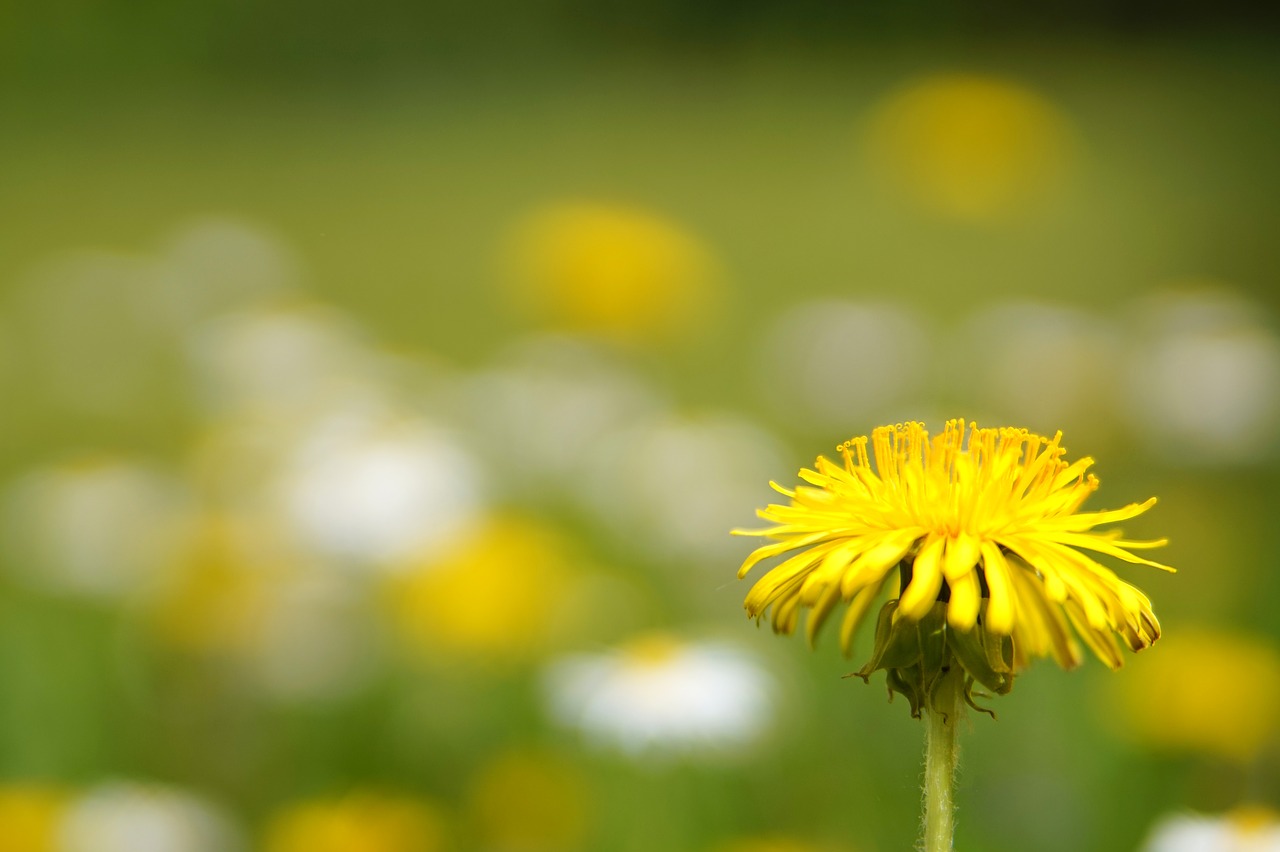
point(962, 554)
point(827, 600)
point(966, 600)
point(926, 581)
point(876, 561)
point(1001, 611)
point(856, 614)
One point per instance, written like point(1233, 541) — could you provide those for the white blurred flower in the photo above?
point(212, 265)
point(374, 489)
point(100, 528)
point(315, 640)
point(839, 362)
point(123, 817)
point(549, 404)
point(1047, 366)
point(660, 694)
point(1246, 830)
point(678, 485)
point(104, 329)
point(288, 360)
point(1204, 377)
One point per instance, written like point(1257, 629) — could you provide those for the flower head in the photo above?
point(994, 556)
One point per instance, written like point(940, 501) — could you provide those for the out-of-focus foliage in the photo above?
point(378, 386)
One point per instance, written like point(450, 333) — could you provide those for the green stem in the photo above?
point(943, 713)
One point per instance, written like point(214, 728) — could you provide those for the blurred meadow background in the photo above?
point(380, 382)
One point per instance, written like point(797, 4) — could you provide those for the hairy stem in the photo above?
point(943, 717)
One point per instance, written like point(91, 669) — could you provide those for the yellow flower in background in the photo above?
point(361, 822)
point(530, 802)
point(1209, 691)
point(985, 532)
point(29, 817)
point(215, 598)
point(969, 147)
point(770, 844)
point(611, 269)
point(487, 597)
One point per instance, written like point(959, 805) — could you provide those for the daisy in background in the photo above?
point(1247, 829)
point(96, 527)
point(977, 537)
point(804, 362)
point(658, 693)
point(1202, 377)
point(632, 475)
point(132, 817)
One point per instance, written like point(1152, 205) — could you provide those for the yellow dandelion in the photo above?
point(31, 815)
point(530, 801)
point(612, 269)
point(995, 561)
point(970, 147)
point(771, 844)
point(1209, 690)
point(360, 822)
point(486, 598)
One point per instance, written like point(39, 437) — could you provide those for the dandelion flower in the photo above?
point(970, 147)
point(623, 272)
point(530, 801)
point(1209, 691)
point(31, 815)
point(365, 820)
point(995, 561)
point(488, 596)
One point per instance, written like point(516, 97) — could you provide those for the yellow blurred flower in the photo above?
point(214, 599)
point(360, 822)
point(969, 147)
point(770, 844)
point(1208, 691)
point(616, 270)
point(243, 594)
point(985, 533)
point(528, 802)
point(29, 817)
point(488, 596)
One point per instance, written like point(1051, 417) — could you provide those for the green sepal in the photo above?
point(927, 660)
point(906, 682)
point(932, 630)
point(972, 650)
point(897, 645)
